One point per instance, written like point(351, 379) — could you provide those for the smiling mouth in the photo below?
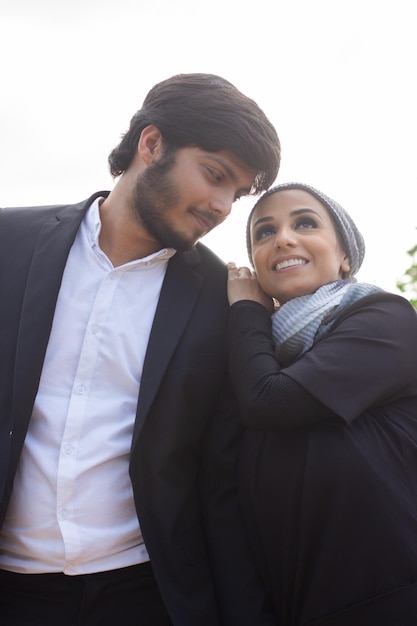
point(281, 265)
point(205, 220)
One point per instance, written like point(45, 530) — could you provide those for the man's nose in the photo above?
point(221, 205)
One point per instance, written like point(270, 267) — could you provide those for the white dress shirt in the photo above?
point(72, 506)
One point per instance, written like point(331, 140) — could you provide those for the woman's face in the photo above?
point(295, 248)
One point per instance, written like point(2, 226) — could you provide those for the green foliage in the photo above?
point(408, 284)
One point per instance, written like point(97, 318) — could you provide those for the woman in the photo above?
point(327, 389)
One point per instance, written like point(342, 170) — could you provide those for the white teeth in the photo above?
point(289, 263)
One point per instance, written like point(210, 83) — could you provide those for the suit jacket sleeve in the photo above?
point(241, 595)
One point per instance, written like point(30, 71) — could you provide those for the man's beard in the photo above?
point(154, 194)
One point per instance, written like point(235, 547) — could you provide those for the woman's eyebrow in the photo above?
point(306, 210)
point(268, 218)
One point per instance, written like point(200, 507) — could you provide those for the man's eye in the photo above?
point(218, 177)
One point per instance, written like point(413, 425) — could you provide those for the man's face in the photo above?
point(183, 195)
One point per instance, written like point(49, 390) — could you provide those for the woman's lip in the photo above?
point(288, 263)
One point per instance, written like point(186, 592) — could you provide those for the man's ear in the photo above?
point(150, 144)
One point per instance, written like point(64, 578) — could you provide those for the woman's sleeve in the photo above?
point(267, 398)
point(368, 359)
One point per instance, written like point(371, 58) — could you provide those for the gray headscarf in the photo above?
point(350, 236)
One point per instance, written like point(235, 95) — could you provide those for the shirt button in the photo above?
point(68, 448)
point(80, 390)
point(94, 329)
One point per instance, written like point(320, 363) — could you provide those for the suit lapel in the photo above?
point(176, 303)
point(42, 287)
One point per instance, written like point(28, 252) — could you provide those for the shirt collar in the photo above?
point(93, 223)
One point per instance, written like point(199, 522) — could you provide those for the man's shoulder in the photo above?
point(28, 214)
point(39, 211)
point(204, 263)
point(210, 258)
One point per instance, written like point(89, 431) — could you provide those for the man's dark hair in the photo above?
point(205, 111)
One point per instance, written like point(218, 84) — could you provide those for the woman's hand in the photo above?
point(242, 284)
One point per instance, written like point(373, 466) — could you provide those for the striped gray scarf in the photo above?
point(302, 321)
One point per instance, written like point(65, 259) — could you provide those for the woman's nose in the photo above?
point(285, 236)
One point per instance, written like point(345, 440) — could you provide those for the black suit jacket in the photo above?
point(182, 463)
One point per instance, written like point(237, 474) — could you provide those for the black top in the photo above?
point(328, 465)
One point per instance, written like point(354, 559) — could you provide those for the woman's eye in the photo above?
point(263, 232)
point(305, 222)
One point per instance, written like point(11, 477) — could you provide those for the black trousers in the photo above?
point(123, 597)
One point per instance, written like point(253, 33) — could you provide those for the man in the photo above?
point(118, 433)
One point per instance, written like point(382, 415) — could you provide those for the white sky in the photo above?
point(336, 77)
